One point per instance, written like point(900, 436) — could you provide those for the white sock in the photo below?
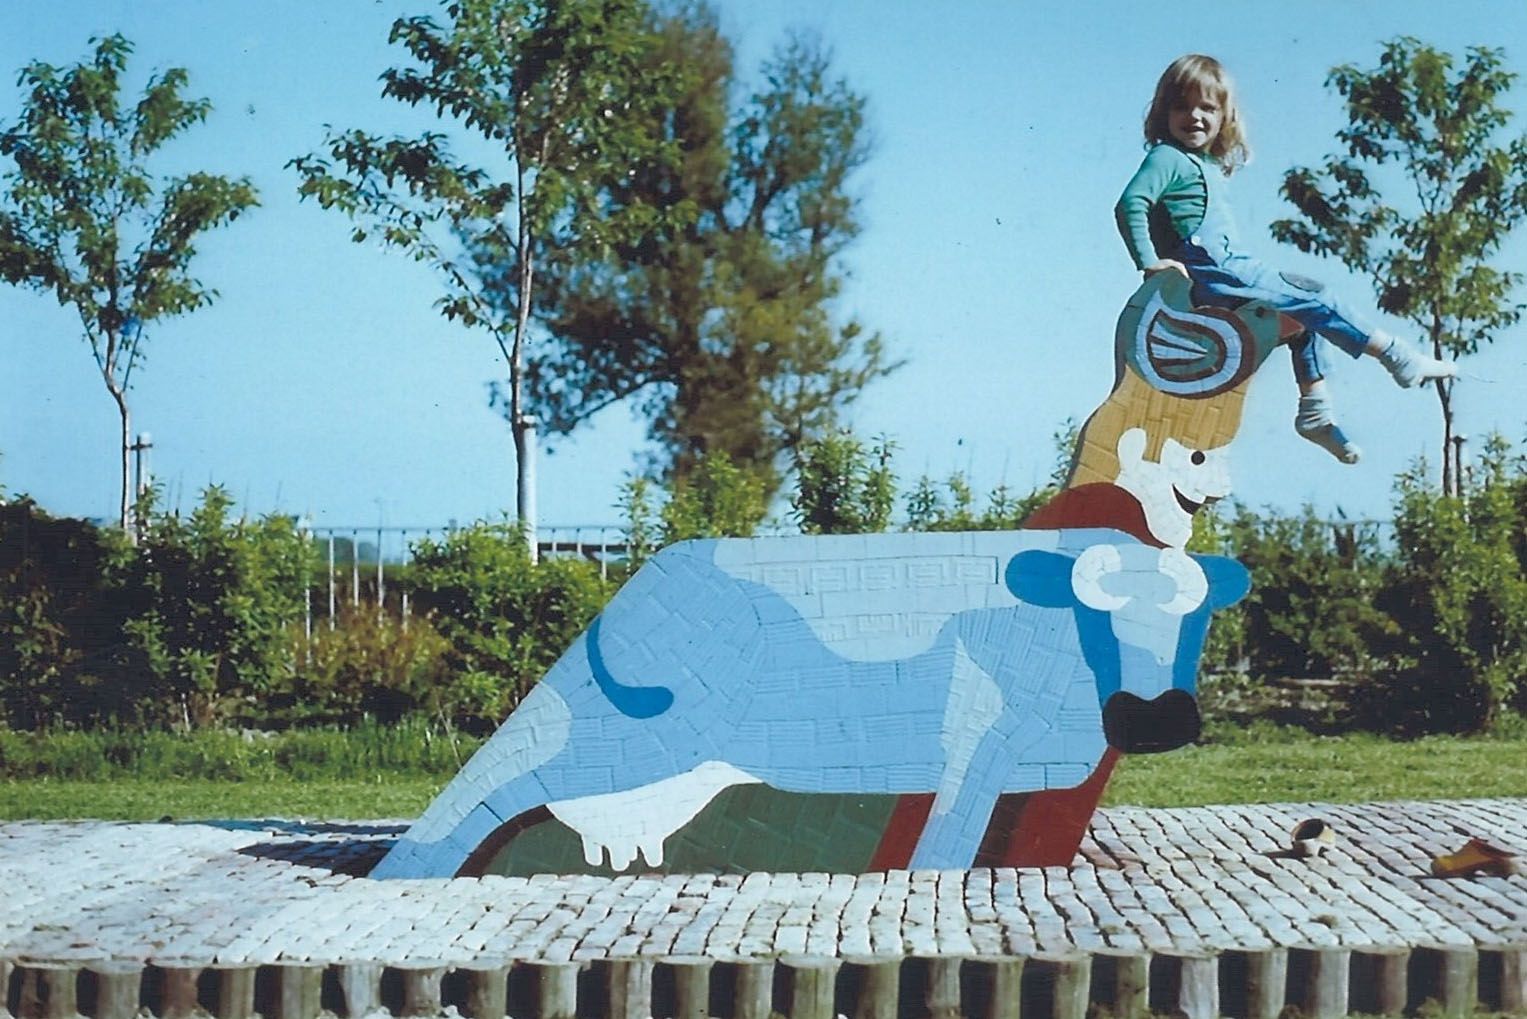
point(1315, 423)
point(1409, 367)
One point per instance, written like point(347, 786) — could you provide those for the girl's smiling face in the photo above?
point(1194, 120)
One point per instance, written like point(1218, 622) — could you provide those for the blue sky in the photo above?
point(322, 382)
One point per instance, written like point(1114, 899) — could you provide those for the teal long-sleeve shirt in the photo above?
point(1163, 202)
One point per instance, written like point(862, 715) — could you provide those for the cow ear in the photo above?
point(1229, 581)
point(1041, 578)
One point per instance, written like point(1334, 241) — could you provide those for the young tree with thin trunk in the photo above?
point(1420, 118)
point(82, 217)
point(552, 91)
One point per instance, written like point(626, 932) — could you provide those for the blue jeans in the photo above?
point(1234, 279)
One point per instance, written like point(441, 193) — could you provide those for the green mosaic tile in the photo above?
point(745, 828)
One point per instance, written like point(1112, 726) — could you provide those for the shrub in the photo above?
point(1459, 595)
point(213, 598)
point(1312, 608)
point(842, 487)
point(367, 664)
point(506, 619)
point(63, 660)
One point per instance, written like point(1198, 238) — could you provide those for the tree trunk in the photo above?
point(520, 424)
point(127, 441)
point(1450, 484)
point(1449, 480)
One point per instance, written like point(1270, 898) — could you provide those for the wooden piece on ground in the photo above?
point(421, 988)
point(486, 990)
point(944, 987)
point(175, 987)
point(1059, 986)
point(1006, 988)
point(1320, 980)
point(1447, 974)
point(1509, 965)
point(813, 987)
point(235, 994)
point(557, 990)
point(360, 988)
point(876, 986)
point(291, 991)
point(48, 991)
point(1380, 980)
point(1121, 983)
point(115, 989)
point(755, 988)
point(691, 985)
point(1264, 982)
point(629, 988)
point(1186, 982)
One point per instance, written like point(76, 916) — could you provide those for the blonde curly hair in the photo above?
point(1196, 73)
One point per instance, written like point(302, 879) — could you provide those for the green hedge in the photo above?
point(201, 623)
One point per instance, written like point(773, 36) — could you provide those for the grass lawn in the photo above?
point(1333, 769)
point(137, 799)
point(1262, 764)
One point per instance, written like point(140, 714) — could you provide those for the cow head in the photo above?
point(1142, 614)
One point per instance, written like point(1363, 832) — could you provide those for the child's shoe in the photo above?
point(1410, 367)
point(1314, 422)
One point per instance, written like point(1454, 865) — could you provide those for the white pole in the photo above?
point(527, 488)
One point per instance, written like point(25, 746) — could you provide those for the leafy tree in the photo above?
point(717, 325)
point(842, 487)
point(83, 218)
point(1440, 126)
point(553, 92)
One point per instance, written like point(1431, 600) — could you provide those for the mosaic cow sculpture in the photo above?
point(983, 682)
point(697, 677)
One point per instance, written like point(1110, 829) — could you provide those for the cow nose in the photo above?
point(1134, 725)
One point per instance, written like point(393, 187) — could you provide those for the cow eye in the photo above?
point(1197, 457)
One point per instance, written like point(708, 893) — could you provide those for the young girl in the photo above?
point(1175, 215)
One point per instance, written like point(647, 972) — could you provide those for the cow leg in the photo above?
point(957, 823)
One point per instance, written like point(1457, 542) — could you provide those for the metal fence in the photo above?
point(360, 564)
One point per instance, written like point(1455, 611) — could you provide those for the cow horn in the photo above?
point(1087, 573)
point(1192, 585)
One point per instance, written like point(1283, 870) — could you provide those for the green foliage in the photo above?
point(506, 619)
point(953, 508)
point(62, 611)
point(83, 219)
point(214, 598)
point(182, 630)
point(1440, 125)
point(557, 90)
point(367, 665)
point(1459, 596)
point(1311, 610)
point(715, 499)
point(718, 326)
point(842, 487)
point(643, 528)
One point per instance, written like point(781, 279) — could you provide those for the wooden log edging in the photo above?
point(1320, 981)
